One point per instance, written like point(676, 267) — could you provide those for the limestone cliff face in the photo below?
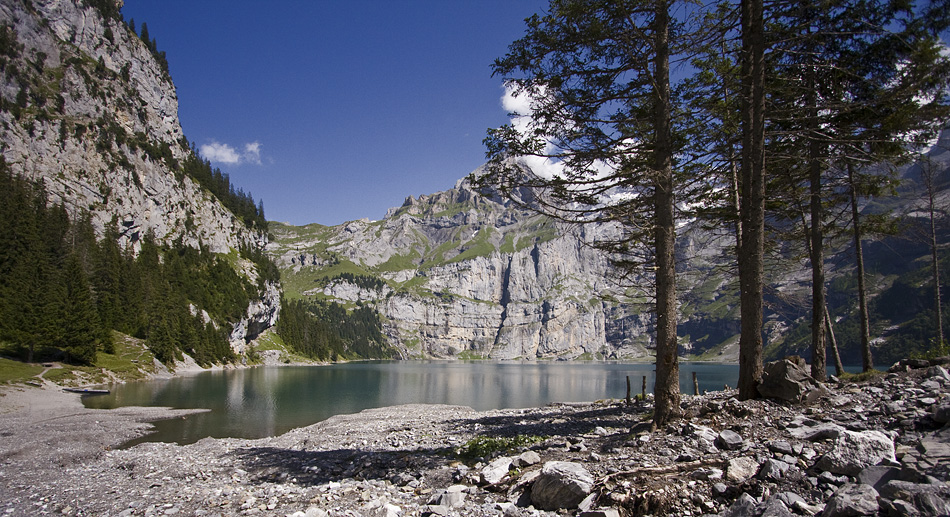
point(86, 108)
point(97, 121)
point(466, 274)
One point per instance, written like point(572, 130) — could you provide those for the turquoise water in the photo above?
point(267, 401)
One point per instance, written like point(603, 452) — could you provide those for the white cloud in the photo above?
point(252, 153)
point(514, 103)
point(221, 153)
point(224, 153)
point(520, 107)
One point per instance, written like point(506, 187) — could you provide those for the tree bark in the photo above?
point(867, 361)
point(928, 174)
point(818, 347)
point(667, 389)
point(751, 259)
point(826, 315)
point(839, 367)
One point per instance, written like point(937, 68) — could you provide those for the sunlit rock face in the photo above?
point(99, 112)
point(461, 274)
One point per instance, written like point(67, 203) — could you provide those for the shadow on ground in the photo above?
point(569, 421)
point(274, 464)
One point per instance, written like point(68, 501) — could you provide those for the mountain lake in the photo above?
point(270, 400)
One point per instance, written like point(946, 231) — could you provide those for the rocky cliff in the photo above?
point(87, 108)
point(459, 274)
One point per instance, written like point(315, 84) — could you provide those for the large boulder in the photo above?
point(852, 500)
point(787, 379)
point(561, 485)
point(853, 451)
point(928, 499)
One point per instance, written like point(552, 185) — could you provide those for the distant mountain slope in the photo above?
point(456, 273)
point(88, 108)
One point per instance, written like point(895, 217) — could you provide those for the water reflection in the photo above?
point(265, 401)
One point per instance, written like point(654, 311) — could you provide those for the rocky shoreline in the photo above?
point(873, 448)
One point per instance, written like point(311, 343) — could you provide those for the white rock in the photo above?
point(741, 469)
point(853, 451)
point(496, 470)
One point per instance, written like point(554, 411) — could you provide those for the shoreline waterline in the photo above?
point(267, 401)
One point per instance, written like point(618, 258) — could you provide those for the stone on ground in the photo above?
point(852, 500)
point(561, 485)
point(741, 469)
point(496, 470)
point(728, 440)
point(787, 379)
point(854, 451)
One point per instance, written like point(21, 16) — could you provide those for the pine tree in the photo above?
point(849, 74)
point(604, 114)
point(751, 257)
point(81, 330)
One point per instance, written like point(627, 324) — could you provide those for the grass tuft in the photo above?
point(485, 446)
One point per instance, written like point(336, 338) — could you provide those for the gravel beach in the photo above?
point(724, 457)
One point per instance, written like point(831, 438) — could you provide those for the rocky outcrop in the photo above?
point(99, 107)
point(261, 315)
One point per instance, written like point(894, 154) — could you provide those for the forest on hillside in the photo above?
point(328, 331)
point(63, 290)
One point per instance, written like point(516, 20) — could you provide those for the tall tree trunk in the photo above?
point(839, 367)
point(818, 347)
point(752, 251)
point(867, 361)
point(935, 264)
point(826, 315)
point(929, 175)
point(667, 389)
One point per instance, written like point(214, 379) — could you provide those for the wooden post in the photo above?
point(643, 391)
point(628, 390)
point(695, 385)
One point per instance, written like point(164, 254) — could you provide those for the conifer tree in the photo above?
point(848, 75)
point(604, 116)
point(81, 330)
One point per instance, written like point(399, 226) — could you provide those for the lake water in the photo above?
point(267, 401)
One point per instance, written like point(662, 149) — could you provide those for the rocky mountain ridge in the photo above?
point(461, 274)
point(88, 110)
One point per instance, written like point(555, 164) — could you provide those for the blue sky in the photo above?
point(334, 110)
